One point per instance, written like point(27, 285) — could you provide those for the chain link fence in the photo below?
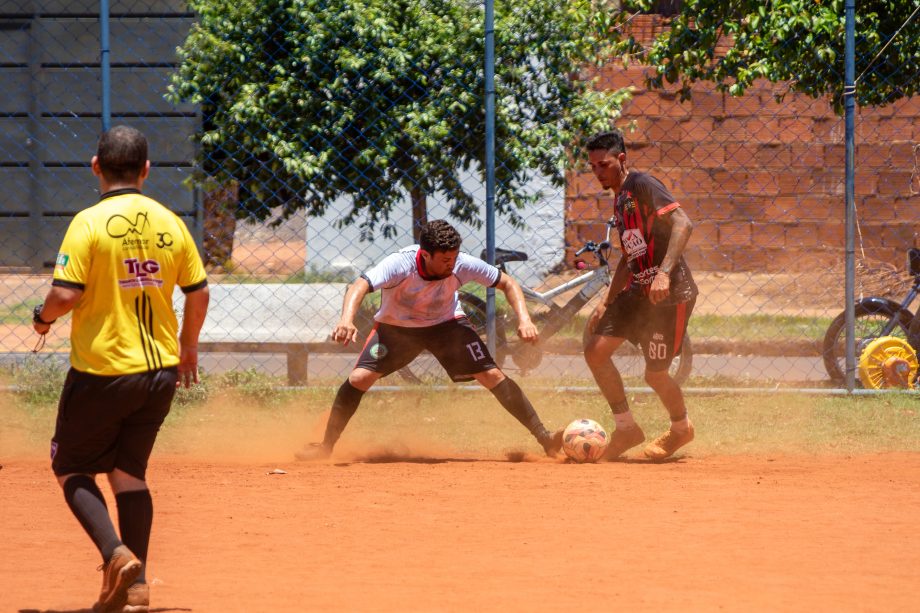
point(304, 140)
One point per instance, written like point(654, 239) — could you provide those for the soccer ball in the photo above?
point(584, 440)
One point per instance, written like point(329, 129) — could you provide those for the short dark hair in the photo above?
point(611, 141)
point(438, 235)
point(122, 153)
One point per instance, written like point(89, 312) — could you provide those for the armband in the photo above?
point(37, 315)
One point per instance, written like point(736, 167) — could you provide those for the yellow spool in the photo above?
point(887, 362)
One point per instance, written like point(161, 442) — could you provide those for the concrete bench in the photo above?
point(293, 319)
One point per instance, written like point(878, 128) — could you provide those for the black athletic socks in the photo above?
point(343, 408)
point(135, 518)
point(88, 505)
point(515, 402)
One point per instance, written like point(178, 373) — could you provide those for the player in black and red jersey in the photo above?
point(649, 300)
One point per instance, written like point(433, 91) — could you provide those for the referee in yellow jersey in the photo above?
point(117, 268)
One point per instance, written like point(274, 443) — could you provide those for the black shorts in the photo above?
point(658, 330)
point(104, 423)
point(454, 343)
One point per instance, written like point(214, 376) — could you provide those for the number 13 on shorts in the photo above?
point(476, 351)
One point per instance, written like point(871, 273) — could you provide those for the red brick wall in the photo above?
point(763, 180)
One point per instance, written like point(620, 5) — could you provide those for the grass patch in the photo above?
point(19, 313)
point(246, 412)
point(302, 276)
point(758, 327)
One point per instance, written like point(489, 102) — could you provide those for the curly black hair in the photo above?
point(438, 235)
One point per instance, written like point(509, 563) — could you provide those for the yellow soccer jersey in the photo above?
point(127, 253)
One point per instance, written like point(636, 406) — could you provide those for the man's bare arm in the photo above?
point(345, 331)
point(194, 313)
point(681, 228)
point(515, 297)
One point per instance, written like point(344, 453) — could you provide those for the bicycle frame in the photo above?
point(593, 281)
point(908, 300)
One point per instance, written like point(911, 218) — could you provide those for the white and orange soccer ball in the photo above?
point(584, 440)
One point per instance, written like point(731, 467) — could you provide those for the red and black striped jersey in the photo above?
point(639, 210)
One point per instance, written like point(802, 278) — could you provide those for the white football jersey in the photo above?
point(411, 301)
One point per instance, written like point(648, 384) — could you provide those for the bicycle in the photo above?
point(527, 356)
point(875, 317)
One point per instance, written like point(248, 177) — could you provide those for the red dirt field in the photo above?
point(738, 533)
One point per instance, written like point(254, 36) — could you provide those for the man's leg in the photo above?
point(628, 434)
point(681, 431)
point(88, 505)
point(512, 397)
point(344, 406)
point(121, 567)
point(135, 514)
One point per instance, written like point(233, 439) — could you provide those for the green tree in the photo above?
point(306, 101)
point(798, 41)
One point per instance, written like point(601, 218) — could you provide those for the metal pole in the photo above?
point(849, 96)
point(104, 64)
point(490, 165)
point(36, 240)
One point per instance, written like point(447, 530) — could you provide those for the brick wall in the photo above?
point(763, 180)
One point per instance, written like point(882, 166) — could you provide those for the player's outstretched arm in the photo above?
point(515, 297)
point(345, 331)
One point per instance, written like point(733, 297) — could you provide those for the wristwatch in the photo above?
point(37, 315)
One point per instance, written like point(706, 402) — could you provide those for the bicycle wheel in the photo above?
point(872, 316)
point(425, 366)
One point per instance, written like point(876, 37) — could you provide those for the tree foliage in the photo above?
point(307, 101)
point(799, 41)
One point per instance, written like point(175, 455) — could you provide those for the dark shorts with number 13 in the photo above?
point(455, 344)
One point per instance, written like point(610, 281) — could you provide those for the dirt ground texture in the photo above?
point(445, 532)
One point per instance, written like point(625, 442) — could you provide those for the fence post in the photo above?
point(849, 94)
point(490, 165)
point(104, 67)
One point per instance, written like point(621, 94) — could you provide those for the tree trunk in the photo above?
point(419, 211)
point(219, 227)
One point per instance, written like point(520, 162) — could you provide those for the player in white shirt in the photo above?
point(420, 310)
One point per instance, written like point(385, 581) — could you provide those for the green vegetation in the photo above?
point(245, 413)
point(800, 42)
point(304, 276)
point(310, 101)
point(18, 313)
point(758, 327)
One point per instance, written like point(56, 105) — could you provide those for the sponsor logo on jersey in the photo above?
point(164, 240)
point(645, 277)
point(141, 272)
point(61, 262)
point(634, 243)
point(119, 226)
point(628, 203)
point(378, 351)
